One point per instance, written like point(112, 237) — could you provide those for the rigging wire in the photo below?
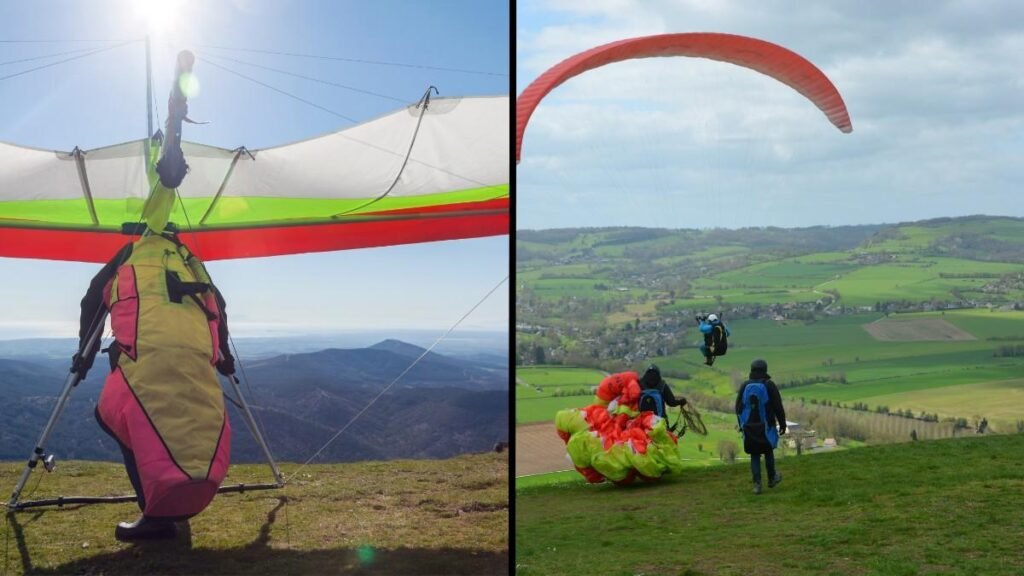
point(96, 51)
point(425, 102)
point(278, 90)
point(75, 51)
point(358, 60)
point(59, 41)
point(327, 82)
point(397, 378)
point(358, 141)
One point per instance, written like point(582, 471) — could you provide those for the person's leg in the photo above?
point(755, 467)
point(133, 475)
point(769, 463)
point(707, 354)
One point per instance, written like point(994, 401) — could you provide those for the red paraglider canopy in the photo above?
point(767, 58)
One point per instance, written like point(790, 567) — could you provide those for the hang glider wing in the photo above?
point(348, 189)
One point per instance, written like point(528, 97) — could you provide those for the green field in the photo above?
point(898, 509)
point(536, 386)
point(942, 260)
point(803, 278)
point(999, 401)
point(918, 280)
point(873, 369)
point(920, 376)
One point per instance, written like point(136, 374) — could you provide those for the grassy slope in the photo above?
point(406, 516)
point(946, 506)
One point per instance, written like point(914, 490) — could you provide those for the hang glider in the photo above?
point(435, 170)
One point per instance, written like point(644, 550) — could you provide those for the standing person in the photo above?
point(758, 409)
point(162, 401)
point(716, 337)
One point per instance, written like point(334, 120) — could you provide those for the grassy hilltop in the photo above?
point(396, 517)
point(936, 507)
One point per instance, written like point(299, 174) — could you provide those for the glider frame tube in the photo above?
point(72, 380)
point(69, 500)
point(251, 423)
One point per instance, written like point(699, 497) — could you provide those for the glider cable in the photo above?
point(58, 41)
point(278, 90)
point(304, 77)
point(359, 61)
point(90, 53)
point(424, 103)
point(397, 378)
point(354, 121)
point(43, 57)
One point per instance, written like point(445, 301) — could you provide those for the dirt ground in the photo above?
point(539, 449)
point(915, 330)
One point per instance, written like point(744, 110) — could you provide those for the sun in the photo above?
point(159, 16)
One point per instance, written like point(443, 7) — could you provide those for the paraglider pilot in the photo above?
point(162, 401)
point(656, 394)
point(716, 335)
point(758, 409)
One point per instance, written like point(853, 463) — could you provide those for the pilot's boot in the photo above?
point(145, 529)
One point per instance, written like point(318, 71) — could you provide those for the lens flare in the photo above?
point(365, 554)
point(189, 85)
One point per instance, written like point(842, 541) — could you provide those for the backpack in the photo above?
point(758, 437)
point(722, 346)
point(651, 401)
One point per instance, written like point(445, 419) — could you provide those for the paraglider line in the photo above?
point(359, 61)
point(310, 78)
point(397, 378)
point(96, 51)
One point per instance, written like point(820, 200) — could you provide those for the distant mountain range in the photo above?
point(441, 407)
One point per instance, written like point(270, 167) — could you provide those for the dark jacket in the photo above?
point(774, 411)
point(666, 394)
point(652, 380)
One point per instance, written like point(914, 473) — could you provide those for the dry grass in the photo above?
point(405, 517)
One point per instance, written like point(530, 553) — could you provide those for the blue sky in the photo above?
point(934, 94)
point(100, 100)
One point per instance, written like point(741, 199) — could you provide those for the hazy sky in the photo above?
point(100, 100)
point(934, 90)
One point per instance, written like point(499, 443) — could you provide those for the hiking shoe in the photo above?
point(145, 529)
point(775, 481)
point(757, 487)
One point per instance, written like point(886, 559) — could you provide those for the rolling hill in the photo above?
point(440, 408)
